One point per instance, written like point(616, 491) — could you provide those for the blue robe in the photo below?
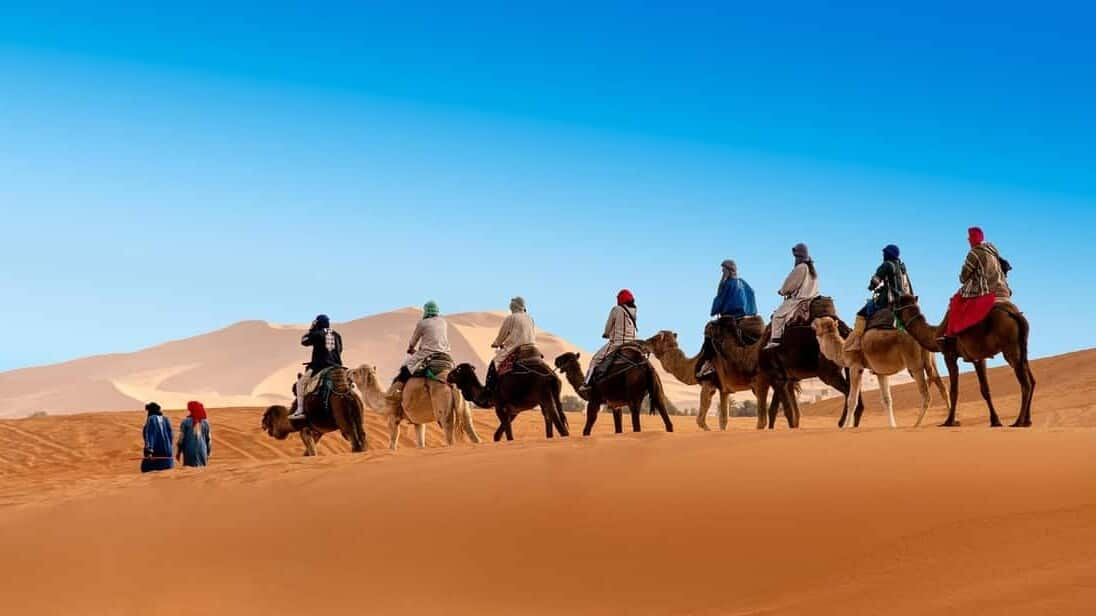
point(195, 448)
point(158, 445)
point(735, 298)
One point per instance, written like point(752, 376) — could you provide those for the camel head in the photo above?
point(462, 374)
point(907, 308)
point(662, 342)
point(825, 327)
point(566, 361)
point(273, 421)
point(365, 377)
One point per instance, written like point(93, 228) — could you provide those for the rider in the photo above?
point(517, 329)
point(327, 347)
point(431, 336)
point(984, 280)
point(891, 281)
point(800, 286)
point(734, 298)
point(619, 329)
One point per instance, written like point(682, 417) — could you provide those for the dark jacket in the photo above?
point(890, 282)
point(735, 298)
point(326, 348)
point(158, 444)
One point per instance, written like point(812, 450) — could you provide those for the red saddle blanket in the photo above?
point(523, 353)
point(966, 312)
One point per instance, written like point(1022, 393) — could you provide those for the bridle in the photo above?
point(907, 323)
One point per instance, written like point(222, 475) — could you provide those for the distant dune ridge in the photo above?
point(254, 363)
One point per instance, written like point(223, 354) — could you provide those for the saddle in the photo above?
point(745, 331)
point(331, 380)
point(882, 319)
point(435, 367)
point(526, 356)
point(818, 307)
point(630, 355)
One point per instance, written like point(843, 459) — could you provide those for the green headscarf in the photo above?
point(430, 309)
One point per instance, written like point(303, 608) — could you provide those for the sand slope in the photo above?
point(815, 521)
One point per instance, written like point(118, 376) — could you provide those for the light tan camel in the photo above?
point(731, 378)
point(424, 401)
point(885, 352)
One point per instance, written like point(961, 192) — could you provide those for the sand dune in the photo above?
point(251, 363)
point(814, 521)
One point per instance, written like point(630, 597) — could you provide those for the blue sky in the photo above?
point(168, 171)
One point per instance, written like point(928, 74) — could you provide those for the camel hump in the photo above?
point(881, 319)
point(1008, 306)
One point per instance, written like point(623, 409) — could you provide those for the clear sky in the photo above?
point(170, 168)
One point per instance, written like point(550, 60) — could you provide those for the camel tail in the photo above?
point(357, 424)
point(655, 389)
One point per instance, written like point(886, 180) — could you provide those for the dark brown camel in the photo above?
point(799, 357)
point(344, 414)
point(1004, 331)
point(623, 387)
point(521, 389)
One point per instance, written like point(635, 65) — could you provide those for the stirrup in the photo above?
point(773, 344)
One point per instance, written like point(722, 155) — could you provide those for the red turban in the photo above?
point(975, 236)
point(625, 297)
point(197, 411)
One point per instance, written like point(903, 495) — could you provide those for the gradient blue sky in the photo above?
point(166, 170)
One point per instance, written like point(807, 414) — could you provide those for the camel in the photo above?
point(798, 357)
point(624, 387)
point(424, 401)
point(344, 414)
point(515, 392)
point(1004, 330)
point(885, 352)
point(728, 378)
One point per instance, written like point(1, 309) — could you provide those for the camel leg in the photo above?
point(393, 432)
point(761, 394)
point(592, 409)
point(919, 377)
point(635, 409)
point(983, 385)
point(856, 378)
point(780, 393)
point(1027, 389)
point(447, 422)
point(833, 375)
point(503, 421)
point(552, 415)
point(309, 440)
point(952, 362)
point(933, 375)
point(706, 393)
point(469, 425)
point(888, 402)
point(420, 436)
point(724, 409)
point(618, 420)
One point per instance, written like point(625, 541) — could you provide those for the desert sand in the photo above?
point(814, 521)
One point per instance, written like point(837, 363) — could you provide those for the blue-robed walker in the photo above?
point(735, 297)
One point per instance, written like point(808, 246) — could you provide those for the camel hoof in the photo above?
point(950, 424)
point(996, 424)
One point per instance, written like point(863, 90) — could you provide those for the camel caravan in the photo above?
point(804, 339)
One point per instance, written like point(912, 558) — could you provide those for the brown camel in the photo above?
point(424, 401)
point(344, 413)
point(625, 386)
point(728, 377)
point(519, 390)
point(798, 357)
point(885, 352)
point(1004, 330)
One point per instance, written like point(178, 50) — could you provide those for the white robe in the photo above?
point(798, 287)
point(432, 336)
point(620, 328)
point(517, 329)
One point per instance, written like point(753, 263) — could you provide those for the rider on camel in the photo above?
point(619, 329)
point(327, 347)
point(517, 330)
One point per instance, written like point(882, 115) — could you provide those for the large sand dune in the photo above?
point(816, 521)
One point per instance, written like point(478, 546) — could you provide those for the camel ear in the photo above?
point(577, 355)
point(675, 335)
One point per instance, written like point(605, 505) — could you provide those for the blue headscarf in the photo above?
point(890, 253)
point(322, 321)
